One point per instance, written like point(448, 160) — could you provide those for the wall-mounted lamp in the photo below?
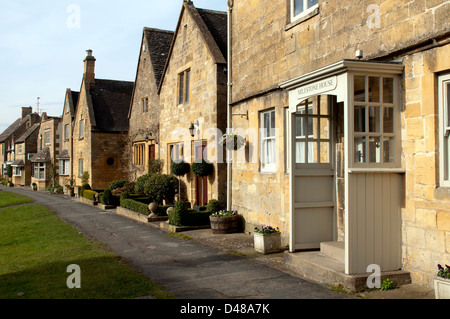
point(192, 129)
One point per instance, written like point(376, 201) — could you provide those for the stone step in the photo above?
point(334, 249)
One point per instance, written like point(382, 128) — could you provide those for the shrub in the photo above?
point(83, 188)
point(179, 169)
point(9, 171)
point(202, 168)
point(189, 217)
point(85, 178)
point(135, 206)
point(108, 198)
point(213, 206)
point(127, 188)
point(89, 194)
point(139, 187)
point(117, 184)
point(161, 187)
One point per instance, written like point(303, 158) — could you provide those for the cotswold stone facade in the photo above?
point(44, 164)
point(143, 136)
point(100, 128)
point(193, 92)
point(274, 43)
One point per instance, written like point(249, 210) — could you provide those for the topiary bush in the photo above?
point(202, 168)
point(83, 188)
point(108, 198)
point(179, 169)
point(161, 187)
point(89, 194)
point(139, 187)
point(135, 206)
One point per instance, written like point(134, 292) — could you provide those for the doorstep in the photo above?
point(323, 268)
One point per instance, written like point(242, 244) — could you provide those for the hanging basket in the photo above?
point(202, 168)
point(232, 141)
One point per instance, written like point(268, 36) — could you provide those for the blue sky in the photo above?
point(43, 45)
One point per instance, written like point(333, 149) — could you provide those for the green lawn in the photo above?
point(36, 248)
point(9, 199)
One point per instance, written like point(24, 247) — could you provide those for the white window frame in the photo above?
point(66, 132)
point(304, 12)
point(444, 129)
point(82, 122)
point(38, 167)
point(64, 167)
point(270, 165)
point(17, 171)
point(47, 138)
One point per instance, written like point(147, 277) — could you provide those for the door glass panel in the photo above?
point(360, 119)
point(360, 149)
point(312, 152)
point(388, 90)
point(300, 151)
point(388, 120)
point(388, 150)
point(374, 89)
point(324, 128)
point(374, 149)
point(374, 119)
point(360, 88)
point(325, 152)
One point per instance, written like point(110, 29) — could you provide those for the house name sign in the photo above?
point(316, 88)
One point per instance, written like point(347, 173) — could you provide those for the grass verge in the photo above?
point(36, 248)
point(9, 199)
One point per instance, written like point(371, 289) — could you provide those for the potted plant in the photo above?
point(267, 240)
point(232, 141)
point(224, 222)
point(442, 283)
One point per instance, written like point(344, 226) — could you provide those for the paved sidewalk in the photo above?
point(203, 265)
point(187, 269)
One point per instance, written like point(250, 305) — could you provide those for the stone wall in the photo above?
point(207, 104)
point(268, 49)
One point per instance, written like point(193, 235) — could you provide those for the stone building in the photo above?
point(44, 164)
point(13, 132)
point(349, 102)
point(67, 122)
point(193, 96)
point(100, 128)
point(25, 148)
point(144, 111)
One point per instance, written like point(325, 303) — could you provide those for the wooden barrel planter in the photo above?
point(224, 225)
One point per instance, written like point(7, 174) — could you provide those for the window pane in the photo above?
point(300, 151)
point(447, 104)
point(388, 120)
point(188, 84)
point(298, 7)
point(374, 89)
point(325, 152)
point(312, 3)
point(388, 150)
point(360, 149)
point(181, 88)
point(374, 149)
point(360, 119)
point(313, 152)
point(388, 90)
point(374, 119)
point(324, 128)
point(300, 127)
point(360, 88)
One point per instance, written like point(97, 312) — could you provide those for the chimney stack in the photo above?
point(26, 111)
point(89, 67)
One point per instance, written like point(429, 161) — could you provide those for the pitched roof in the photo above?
point(28, 132)
point(7, 133)
point(111, 102)
point(64, 154)
point(42, 156)
point(213, 28)
point(216, 21)
point(159, 42)
point(75, 96)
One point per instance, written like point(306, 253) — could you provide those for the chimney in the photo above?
point(89, 67)
point(26, 111)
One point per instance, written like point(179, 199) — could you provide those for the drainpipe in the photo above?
point(229, 86)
